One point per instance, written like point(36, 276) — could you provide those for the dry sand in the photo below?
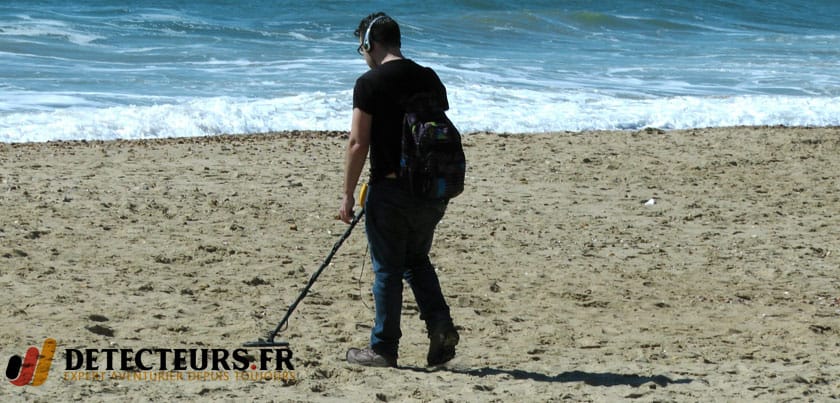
point(565, 285)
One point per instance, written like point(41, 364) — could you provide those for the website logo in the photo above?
point(152, 364)
point(34, 368)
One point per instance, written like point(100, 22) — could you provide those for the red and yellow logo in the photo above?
point(34, 368)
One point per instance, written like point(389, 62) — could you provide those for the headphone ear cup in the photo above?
point(366, 45)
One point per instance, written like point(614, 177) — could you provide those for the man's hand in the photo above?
point(345, 212)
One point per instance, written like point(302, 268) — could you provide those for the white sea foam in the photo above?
point(533, 111)
point(476, 108)
point(191, 118)
point(39, 28)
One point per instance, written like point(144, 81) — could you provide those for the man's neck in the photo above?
point(390, 57)
point(391, 54)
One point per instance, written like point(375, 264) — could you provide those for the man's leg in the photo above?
point(425, 284)
point(387, 233)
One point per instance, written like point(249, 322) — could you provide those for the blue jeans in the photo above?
point(400, 229)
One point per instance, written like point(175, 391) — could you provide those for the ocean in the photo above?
point(109, 69)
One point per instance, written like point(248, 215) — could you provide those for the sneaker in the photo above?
point(369, 358)
point(442, 341)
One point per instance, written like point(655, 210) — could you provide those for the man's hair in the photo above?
point(386, 30)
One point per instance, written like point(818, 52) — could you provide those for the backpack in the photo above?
point(432, 162)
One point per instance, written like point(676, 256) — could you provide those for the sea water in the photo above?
point(116, 69)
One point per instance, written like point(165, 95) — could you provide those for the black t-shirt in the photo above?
point(381, 92)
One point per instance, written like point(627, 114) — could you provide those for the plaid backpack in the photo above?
point(432, 162)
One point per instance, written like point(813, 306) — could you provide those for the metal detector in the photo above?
point(270, 342)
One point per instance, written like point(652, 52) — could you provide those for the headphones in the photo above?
point(366, 43)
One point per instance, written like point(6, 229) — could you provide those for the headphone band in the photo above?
point(366, 42)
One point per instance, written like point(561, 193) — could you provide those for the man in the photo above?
point(399, 226)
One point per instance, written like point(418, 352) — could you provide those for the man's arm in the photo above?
point(354, 160)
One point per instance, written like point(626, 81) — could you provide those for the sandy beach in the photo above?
point(691, 265)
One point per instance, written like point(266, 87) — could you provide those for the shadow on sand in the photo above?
point(593, 379)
